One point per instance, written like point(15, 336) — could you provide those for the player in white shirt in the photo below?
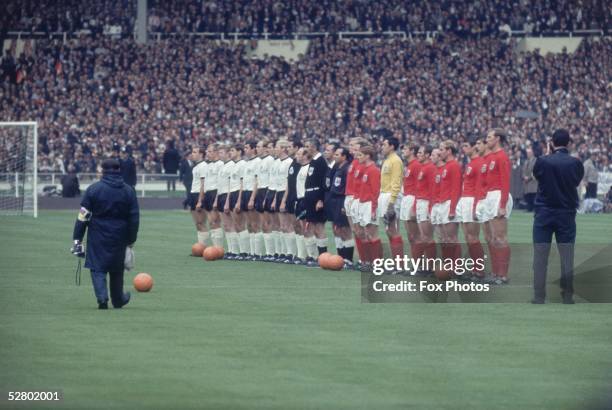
point(266, 150)
point(197, 213)
point(291, 228)
point(238, 249)
point(210, 193)
point(281, 223)
point(250, 189)
point(223, 184)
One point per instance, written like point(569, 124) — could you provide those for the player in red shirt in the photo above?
point(498, 204)
point(467, 203)
point(368, 191)
point(351, 201)
point(424, 200)
point(448, 197)
point(408, 206)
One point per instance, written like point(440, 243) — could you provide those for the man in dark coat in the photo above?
point(170, 162)
point(128, 167)
point(109, 212)
point(70, 183)
point(186, 176)
point(558, 175)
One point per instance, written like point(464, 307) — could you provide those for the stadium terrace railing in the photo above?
point(294, 36)
point(49, 184)
point(148, 185)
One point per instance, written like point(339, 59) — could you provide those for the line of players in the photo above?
point(272, 199)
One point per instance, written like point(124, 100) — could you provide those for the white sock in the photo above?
point(311, 246)
point(269, 243)
point(233, 242)
point(217, 237)
point(245, 244)
point(300, 244)
point(253, 240)
point(349, 243)
point(259, 244)
point(203, 237)
point(321, 242)
point(278, 244)
point(290, 245)
point(339, 243)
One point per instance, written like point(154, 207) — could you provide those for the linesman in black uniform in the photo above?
point(315, 196)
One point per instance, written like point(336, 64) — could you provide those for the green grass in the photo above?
point(245, 335)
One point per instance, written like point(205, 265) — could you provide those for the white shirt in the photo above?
point(198, 172)
point(282, 171)
point(212, 175)
point(225, 174)
point(236, 175)
point(300, 181)
point(251, 168)
point(263, 176)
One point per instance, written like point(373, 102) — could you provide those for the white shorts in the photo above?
point(365, 215)
point(383, 204)
point(355, 205)
point(407, 211)
point(465, 210)
point(487, 208)
point(348, 200)
point(422, 210)
point(440, 213)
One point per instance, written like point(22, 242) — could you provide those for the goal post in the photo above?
point(19, 168)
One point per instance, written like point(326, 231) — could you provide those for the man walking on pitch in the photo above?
point(110, 215)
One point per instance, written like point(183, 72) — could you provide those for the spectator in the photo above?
point(591, 177)
point(530, 183)
point(171, 161)
point(128, 167)
point(70, 183)
point(186, 176)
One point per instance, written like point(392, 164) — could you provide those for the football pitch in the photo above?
point(262, 335)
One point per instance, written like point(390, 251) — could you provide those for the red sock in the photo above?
point(430, 249)
point(476, 252)
point(397, 246)
point(376, 249)
point(446, 250)
point(458, 251)
point(503, 260)
point(493, 258)
point(359, 245)
point(415, 250)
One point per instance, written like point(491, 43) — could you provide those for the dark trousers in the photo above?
point(98, 279)
point(591, 190)
point(529, 198)
point(170, 182)
point(561, 223)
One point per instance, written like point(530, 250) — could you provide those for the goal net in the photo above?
point(18, 168)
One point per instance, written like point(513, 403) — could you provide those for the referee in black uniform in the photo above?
point(558, 175)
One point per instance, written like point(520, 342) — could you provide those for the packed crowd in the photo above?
point(50, 16)
point(483, 17)
point(460, 17)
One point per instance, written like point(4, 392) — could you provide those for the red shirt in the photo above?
point(357, 172)
point(498, 175)
point(425, 181)
point(435, 197)
point(410, 177)
point(350, 178)
point(450, 184)
point(369, 186)
point(481, 181)
point(470, 177)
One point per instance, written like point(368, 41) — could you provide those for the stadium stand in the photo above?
point(93, 93)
